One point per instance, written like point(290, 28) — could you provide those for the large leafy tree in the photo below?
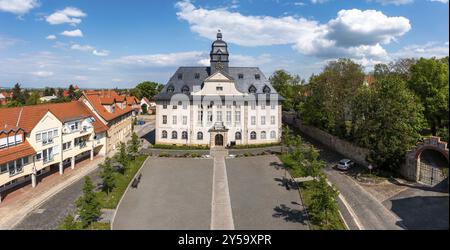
point(291, 88)
point(331, 92)
point(147, 89)
point(429, 81)
point(18, 96)
point(88, 205)
point(323, 201)
point(388, 119)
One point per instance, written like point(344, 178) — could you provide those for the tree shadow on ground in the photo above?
point(289, 214)
point(287, 183)
point(277, 165)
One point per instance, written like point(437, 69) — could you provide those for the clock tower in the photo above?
point(219, 55)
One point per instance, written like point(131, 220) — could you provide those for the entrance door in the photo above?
point(219, 140)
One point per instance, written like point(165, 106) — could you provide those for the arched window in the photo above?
point(253, 135)
point(170, 89)
point(263, 135)
point(164, 134)
point(184, 135)
point(185, 89)
point(199, 136)
point(174, 135)
point(266, 89)
point(273, 135)
point(252, 89)
point(238, 136)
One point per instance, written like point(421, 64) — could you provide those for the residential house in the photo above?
point(35, 140)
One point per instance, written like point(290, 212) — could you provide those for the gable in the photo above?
point(219, 77)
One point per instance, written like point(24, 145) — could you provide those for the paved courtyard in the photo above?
point(178, 194)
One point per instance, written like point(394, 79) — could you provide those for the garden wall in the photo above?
point(345, 148)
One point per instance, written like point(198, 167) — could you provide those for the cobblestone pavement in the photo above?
point(50, 214)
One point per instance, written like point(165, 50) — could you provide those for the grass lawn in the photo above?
point(292, 166)
point(112, 200)
point(94, 226)
point(180, 147)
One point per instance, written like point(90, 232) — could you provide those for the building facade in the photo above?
point(38, 139)
point(113, 111)
point(218, 105)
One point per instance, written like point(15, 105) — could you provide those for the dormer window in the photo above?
point(266, 89)
point(197, 76)
point(252, 89)
point(257, 77)
point(170, 89)
point(241, 76)
point(180, 76)
point(185, 89)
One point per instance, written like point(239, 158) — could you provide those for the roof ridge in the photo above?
point(20, 115)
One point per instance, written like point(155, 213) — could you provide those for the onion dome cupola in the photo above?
point(219, 55)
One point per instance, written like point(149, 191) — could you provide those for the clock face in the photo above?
point(219, 65)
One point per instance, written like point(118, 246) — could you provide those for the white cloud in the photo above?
point(100, 52)
point(318, 1)
point(90, 49)
point(51, 37)
point(299, 4)
point(353, 33)
point(355, 27)
point(68, 15)
point(427, 50)
point(42, 73)
point(73, 33)
point(18, 7)
point(440, 1)
point(84, 48)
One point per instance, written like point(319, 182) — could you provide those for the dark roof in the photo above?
point(189, 79)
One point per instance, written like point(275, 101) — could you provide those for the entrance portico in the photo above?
point(219, 135)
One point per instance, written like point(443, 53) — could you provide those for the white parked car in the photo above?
point(345, 164)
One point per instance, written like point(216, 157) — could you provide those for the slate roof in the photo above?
point(188, 79)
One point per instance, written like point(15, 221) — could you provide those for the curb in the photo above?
point(349, 209)
point(126, 190)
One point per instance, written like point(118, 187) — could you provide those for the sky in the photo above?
point(118, 43)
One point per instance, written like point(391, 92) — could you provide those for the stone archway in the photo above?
point(420, 167)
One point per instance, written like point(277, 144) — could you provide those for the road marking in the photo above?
point(221, 213)
point(349, 209)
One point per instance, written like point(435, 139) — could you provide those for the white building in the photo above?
point(218, 105)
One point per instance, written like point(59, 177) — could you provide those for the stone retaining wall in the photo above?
point(345, 148)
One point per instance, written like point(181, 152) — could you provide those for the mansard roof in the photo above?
point(189, 79)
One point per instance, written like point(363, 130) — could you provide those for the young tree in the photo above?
point(122, 157)
point(323, 201)
point(69, 223)
point(33, 99)
point(88, 206)
point(107, 176)
point(134, 144)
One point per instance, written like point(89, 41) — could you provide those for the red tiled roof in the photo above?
point(98, 98)
point(132, 100)
point(16, 152)
point(27, 117)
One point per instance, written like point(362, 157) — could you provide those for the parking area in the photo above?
point(172, 194)
point(176, 193)
point(259, 200)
